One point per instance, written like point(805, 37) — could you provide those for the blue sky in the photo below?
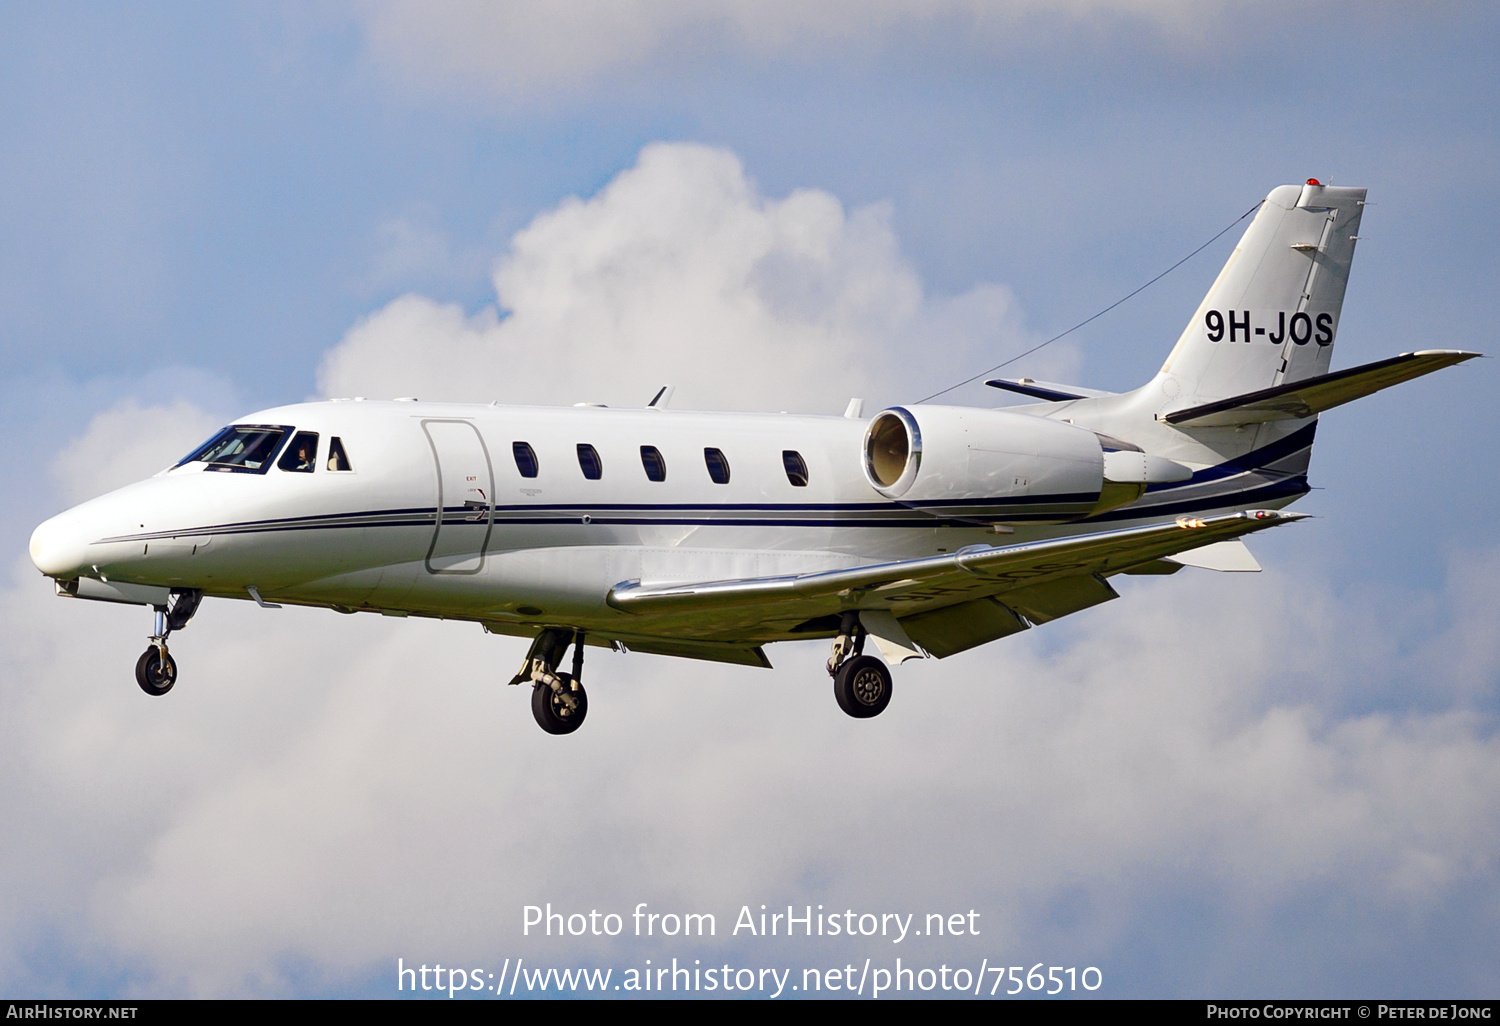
point(203, 210)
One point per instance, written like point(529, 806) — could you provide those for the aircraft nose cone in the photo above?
point(58, 547)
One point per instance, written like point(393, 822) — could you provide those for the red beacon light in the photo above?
point(1313, 181)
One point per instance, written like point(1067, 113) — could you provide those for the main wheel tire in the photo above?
point(153, 675)
point(863, 687)
point(552, 713)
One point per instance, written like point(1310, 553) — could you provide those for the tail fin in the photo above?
point(1239, 397)
point(1272, 315)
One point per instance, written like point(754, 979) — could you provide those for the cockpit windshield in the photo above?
point(240, 448)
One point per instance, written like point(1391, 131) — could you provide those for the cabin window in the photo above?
point(241, 448)
point(718, 465)
point(525, 458)
point(301, 457)
point(337, 458)
point(651, 459)
point(796, 467)
point(588, 462)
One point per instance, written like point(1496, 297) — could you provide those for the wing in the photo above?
point(943, 602)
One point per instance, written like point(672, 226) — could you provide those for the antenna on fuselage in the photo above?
point(662, 398)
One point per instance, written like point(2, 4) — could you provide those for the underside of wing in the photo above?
point(945, 603)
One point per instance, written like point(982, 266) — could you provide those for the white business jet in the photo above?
point(929, 529)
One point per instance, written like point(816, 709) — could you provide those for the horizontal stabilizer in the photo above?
point(1311, 396)
point(1046, 389)
point(1226, 556)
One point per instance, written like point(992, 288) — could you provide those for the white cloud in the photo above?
point(680, 272)
point(323, 794)
point(126, 443)
point(532, 48)
point(408, 247)
point(411, 248)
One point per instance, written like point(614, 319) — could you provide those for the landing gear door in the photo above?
point(465, 497)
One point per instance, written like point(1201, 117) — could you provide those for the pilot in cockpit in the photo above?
point(306, 454)
point(301, 457)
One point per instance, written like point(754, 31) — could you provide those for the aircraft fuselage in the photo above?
point(508, 549)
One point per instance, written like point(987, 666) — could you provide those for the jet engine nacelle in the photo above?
point(993, 466)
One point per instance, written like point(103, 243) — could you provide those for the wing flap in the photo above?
point(1043, 602)
point(1311, 396)
point(712, 651)
point(953, 629)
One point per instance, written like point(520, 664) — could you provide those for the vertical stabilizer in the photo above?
point(1272, 315)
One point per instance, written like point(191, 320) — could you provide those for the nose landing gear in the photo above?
point(861, 683)
point(551, 709)
point(156, 670)
point(558, 700)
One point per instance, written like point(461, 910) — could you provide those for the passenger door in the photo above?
point(465, 497)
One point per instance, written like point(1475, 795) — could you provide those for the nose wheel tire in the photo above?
point(155, 675)
point(552, 712)
point(862, 687)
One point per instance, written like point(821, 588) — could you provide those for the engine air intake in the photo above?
point(892, 446)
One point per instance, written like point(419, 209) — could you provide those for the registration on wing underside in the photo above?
point(943, 580)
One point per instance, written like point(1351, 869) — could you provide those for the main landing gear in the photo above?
point(861, 683)
point(156, 670)
point(558, 700)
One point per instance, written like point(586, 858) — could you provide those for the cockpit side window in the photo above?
point(301, 457)
point(241, 448)
point(337, 458)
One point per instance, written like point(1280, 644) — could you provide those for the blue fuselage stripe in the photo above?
point(817, 515)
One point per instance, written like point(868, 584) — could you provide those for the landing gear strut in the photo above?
point(558, 700)
point(861, 683)
point(156, 670)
